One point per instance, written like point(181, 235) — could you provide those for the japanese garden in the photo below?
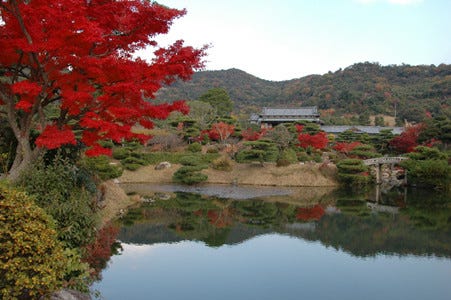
point(108, 160)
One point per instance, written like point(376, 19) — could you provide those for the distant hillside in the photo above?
point(407, 91)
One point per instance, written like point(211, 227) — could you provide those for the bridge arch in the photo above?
point(385, 160)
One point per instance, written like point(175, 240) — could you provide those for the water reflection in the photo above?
point(317, 245)
point(359, 224)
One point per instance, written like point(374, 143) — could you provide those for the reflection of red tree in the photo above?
point(310, 213)
point(219, 219)
point(99, 252)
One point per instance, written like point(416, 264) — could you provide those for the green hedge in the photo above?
point(34, 263)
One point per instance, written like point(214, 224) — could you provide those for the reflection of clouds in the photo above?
point(143, 250)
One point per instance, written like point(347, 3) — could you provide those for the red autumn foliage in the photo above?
point(220, 219)
point(99, 252)
point(221, 131)
point(52, 137)
point(310, 213)
point(299, 128)
point(252, 135)
point(78, 57)
point(345, 148)
point(317, 141)
point(408, 140)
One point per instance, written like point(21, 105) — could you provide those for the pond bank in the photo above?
point(308, 182)
point(297, 175)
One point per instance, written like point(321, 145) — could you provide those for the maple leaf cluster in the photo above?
point(344, 147)
point(219, 131)
point(75, 58)
point(407, 141)
point(253, 135)
point(318, 141)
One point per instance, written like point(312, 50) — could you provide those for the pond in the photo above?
point(290, 244)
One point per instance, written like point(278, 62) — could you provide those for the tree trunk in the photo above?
point(25, 156)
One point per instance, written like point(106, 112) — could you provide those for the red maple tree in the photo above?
point(408, 139)
point(345, 147)
point(250, 134)
point(68, 71)
point(221, 131)
point(317, 141)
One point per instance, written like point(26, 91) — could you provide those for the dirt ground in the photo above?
point(305, 175)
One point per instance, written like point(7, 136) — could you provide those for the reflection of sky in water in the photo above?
point(269, 267)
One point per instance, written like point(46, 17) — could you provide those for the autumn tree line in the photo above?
point(347, 96)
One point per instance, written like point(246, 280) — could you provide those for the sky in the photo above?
point(285, 39)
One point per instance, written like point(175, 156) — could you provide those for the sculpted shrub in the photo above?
point(32, 260)
point(190, 173)
point(352, 172)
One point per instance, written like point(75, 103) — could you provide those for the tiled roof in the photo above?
point(358, 128)
point(304, 111)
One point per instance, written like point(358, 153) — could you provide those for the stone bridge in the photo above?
point(385, 160)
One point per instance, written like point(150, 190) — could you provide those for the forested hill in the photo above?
point(363, 87)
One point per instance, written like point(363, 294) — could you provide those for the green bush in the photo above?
point(212, 149)
point(121, 153)
point(262, 151)
point(107, 144)
point(189, 175)
point(175, 157)
point(191, 160)
point(133, 160)
point(132, 166)
point(33, 262)
point(194, 147)
point(102, 167)
point(303, 157)
point(289, 155)
point(222, 163)
point(353, 173)
point(56, 188)
point(428, 173)
point(364, 152)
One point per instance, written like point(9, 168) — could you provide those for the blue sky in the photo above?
point(286, 39)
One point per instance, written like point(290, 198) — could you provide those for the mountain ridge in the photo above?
point(406, 91)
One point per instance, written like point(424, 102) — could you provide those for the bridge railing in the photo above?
point(384, 160)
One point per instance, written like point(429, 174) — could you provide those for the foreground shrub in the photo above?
point(32, 260)
point(58, 191)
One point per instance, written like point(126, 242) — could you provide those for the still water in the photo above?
point(291, 245)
